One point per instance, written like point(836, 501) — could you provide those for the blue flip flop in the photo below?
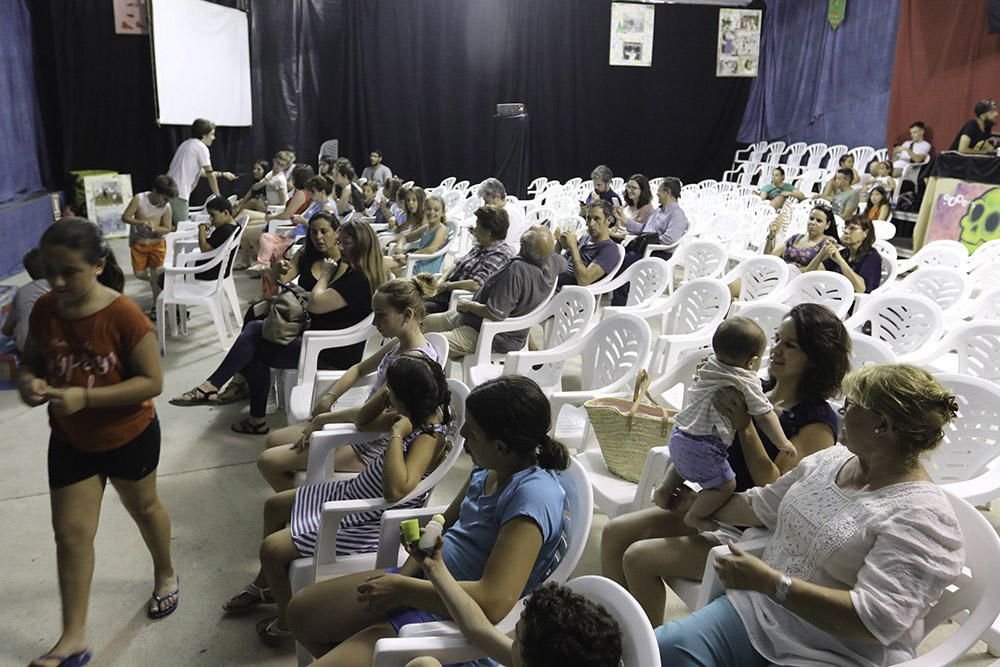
point(75, 660)
point(161, 612)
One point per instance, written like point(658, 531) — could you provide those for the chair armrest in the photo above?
point(321, 443)
point(711, 587)
point(396, 651)
point(456, 295)
point(430, 629)
point(520, 363)
point(658, 247)
point(329, 525)
point(388, 537)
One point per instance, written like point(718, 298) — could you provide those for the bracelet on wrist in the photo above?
point(782, 588)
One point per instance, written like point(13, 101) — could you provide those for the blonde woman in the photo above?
point(430, 237)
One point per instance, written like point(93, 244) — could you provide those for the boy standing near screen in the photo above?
point(192, 161)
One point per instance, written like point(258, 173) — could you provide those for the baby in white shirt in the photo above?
point(701, 437)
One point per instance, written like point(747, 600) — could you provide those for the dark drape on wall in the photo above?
point(422, 78)
point(418, 79)
point(97, 89)
point(819, 84)
point(945, 62)
point(21, 142)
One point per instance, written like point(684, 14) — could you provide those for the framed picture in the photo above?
point(738, 52)
point(631, 34)
point(107, 197)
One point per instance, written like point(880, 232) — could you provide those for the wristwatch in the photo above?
point(782, 588)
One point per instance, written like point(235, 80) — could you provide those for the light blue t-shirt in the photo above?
point(535, 493)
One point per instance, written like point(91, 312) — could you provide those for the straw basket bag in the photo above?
point(626, 430)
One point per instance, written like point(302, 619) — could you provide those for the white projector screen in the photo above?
point(201, 62)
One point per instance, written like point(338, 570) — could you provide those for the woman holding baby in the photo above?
point(808, 361)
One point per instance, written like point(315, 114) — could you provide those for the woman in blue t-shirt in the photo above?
point(502, 534)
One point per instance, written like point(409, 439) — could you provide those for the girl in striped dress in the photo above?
point(418, 391)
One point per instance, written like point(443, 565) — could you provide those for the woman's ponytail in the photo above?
point(112, 276)
point(552, 454)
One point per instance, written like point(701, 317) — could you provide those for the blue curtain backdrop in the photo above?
point(818, 84)
point(20, 138)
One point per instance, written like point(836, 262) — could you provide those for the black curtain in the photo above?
point(422, 78)
point(418, 79)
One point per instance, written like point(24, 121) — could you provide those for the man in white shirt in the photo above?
point(191, 161)
point(377, 172)
point(914, 151)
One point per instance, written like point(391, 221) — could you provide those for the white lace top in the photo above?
point(895, 549)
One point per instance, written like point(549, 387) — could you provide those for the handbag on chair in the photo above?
point(288, 316)
point(627, 429)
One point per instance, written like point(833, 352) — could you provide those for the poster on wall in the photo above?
point(739, 42)
point(107, 197)
point(631, 34)
point(130, 17)
point(967, 212)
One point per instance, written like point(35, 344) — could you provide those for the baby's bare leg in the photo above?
point(707, 501)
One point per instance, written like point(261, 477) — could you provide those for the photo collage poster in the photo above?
point(631, 34)
point(739, 42)
point(107, 196)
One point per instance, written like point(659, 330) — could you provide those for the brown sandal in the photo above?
point(196, 396)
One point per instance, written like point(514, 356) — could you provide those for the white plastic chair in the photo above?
point(759, 277)
point(948, 288)
point(937, 253)
point(976, 590)
point(986, 253)
point(768, 316)
point(647, 279)
point(823, 287)
point(579, 516)
point(698, 258)
point(571, 312)
point(905, 322)
point(612, 353)
point(867, 350)
point(181, 288)
point(977, 351)
point(299, 410)
point(299, 381)
point(639, 648)
point(833, 155)
point(985, 306)
point(984, 275)
point(616, 496)
point(688, 318)
point(326, 563)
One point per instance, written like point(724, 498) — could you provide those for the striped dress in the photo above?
point(358, 532)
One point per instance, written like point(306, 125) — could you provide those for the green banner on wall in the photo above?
point(835, 12)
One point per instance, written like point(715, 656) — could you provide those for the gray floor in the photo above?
point(210, 485)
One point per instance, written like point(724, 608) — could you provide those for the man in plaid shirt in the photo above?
point(490, 254)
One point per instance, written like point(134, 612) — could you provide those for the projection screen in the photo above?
point(201, 62)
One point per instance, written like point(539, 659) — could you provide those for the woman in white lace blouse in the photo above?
point(864, 543)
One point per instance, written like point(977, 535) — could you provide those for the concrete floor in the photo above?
point(209, 483)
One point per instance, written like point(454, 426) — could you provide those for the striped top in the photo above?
point(358, 532)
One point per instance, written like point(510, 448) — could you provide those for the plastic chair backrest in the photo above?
point(648, 278)
point(697, 303)
point(833, 155)
point(948, 287)
point(971, 441)
point(681, 372)
point(827, 288)
point(639, 648)
point(867, 350)
point(440, 344)
point(942, 253)
point(767, 315)
point(986, 306)
point(618, 346)
point(702, 259)
point(977, 345)
point(759, 276)
point(987, 252)
point(816, 153)
point(577, 518)
point(905, 322)
point(976, 590)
